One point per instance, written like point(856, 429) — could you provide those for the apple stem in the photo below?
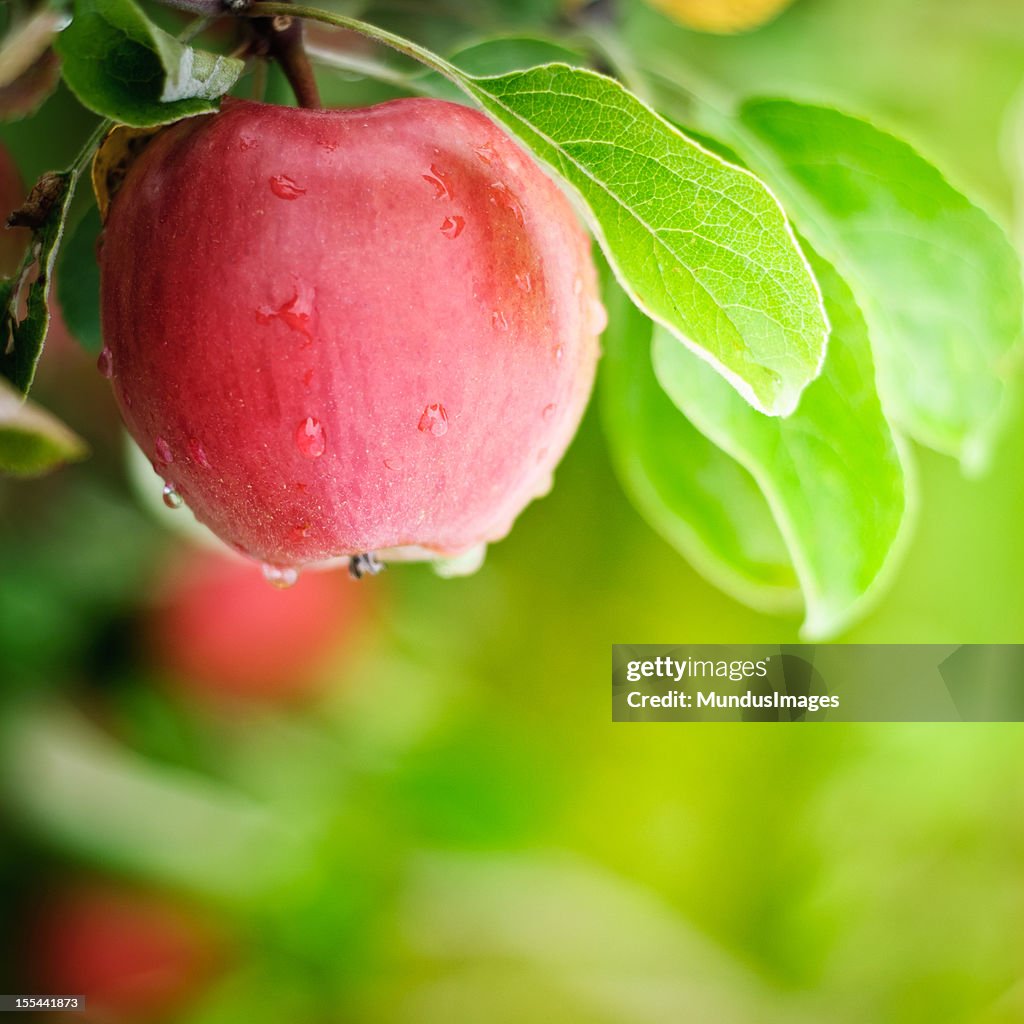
point(283, 38)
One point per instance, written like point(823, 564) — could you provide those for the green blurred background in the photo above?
point(453, 829)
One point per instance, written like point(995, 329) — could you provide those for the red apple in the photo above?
point(221, 632)
point(134, 956)
point(347, 331)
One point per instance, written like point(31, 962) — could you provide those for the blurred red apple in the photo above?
point(221, 631)
point(134, 956)
point(13, 241)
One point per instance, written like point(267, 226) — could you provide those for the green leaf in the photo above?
point(699, 499)
point(119, 64)
point(78, 281)
point(22, 337)
point(105, 802)
point(702, 246)
point(832, 472)
point(32, 441)
point(937, 279)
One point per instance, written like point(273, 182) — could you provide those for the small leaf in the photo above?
point(32, 441)
point(78, 282)
point(700, 245)
point(832, 472)
point(22, 337)
point(119, 64)
point(937, 280)
point(703, 502)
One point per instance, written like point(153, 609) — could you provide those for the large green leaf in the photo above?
point(699, 244)
point(121, 65)
point(698, 498)
point(702, 246)
point(937, 279)
point(832, 472)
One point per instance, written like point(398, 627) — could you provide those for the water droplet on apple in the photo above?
point(394, 464)
point(286, 188)
point(503, 196)
point(105, 363)
point(597, 316)
point(295, 313)
point(163, 450)
point(280, 578)
point(485, 153)
point(247, 142)
point(434, 420)
point(441, 182)
point(310, 438)
point(524, 283)
point(548, 412)
point(300, 532)
point(452, 226)
point(559, 352)
point(197, 453)
point(577, 285)
point(172, 499)
point(499, 321)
